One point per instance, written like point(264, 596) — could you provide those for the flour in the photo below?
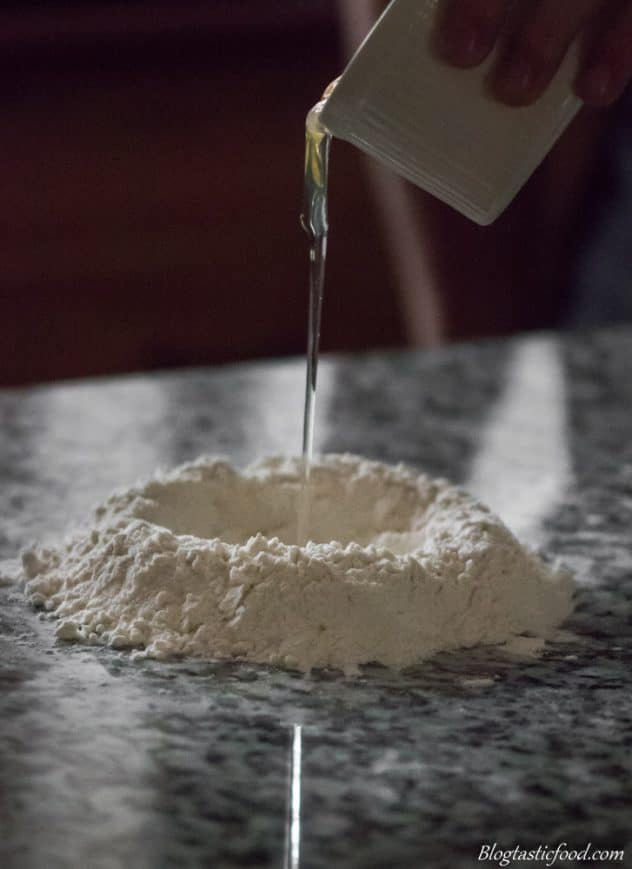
point(201, 561)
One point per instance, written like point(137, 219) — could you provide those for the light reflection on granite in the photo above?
point(522, 467)
point(105, 763)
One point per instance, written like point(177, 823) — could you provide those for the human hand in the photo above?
point(534, 39)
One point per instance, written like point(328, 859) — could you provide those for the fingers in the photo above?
point(468, 30)
point(607, 67)
point(535, 41)
point(533, 52)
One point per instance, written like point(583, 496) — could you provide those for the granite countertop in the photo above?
point(108, 763)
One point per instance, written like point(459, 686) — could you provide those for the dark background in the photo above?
point(151, 171)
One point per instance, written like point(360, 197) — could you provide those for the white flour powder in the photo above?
point(201, 561)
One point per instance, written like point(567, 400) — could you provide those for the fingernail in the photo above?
point(595, 86)
point(515, 78)
point(463, 42)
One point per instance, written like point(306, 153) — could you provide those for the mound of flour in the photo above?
point(201, 561)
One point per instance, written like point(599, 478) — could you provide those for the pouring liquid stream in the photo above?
point(315, 223)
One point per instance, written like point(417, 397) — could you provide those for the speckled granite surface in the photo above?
point(104, 763)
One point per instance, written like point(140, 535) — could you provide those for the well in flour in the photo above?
point(202, 561)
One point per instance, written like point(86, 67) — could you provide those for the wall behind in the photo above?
point(151, 164)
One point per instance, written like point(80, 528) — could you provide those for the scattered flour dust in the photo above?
point(201, 561)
